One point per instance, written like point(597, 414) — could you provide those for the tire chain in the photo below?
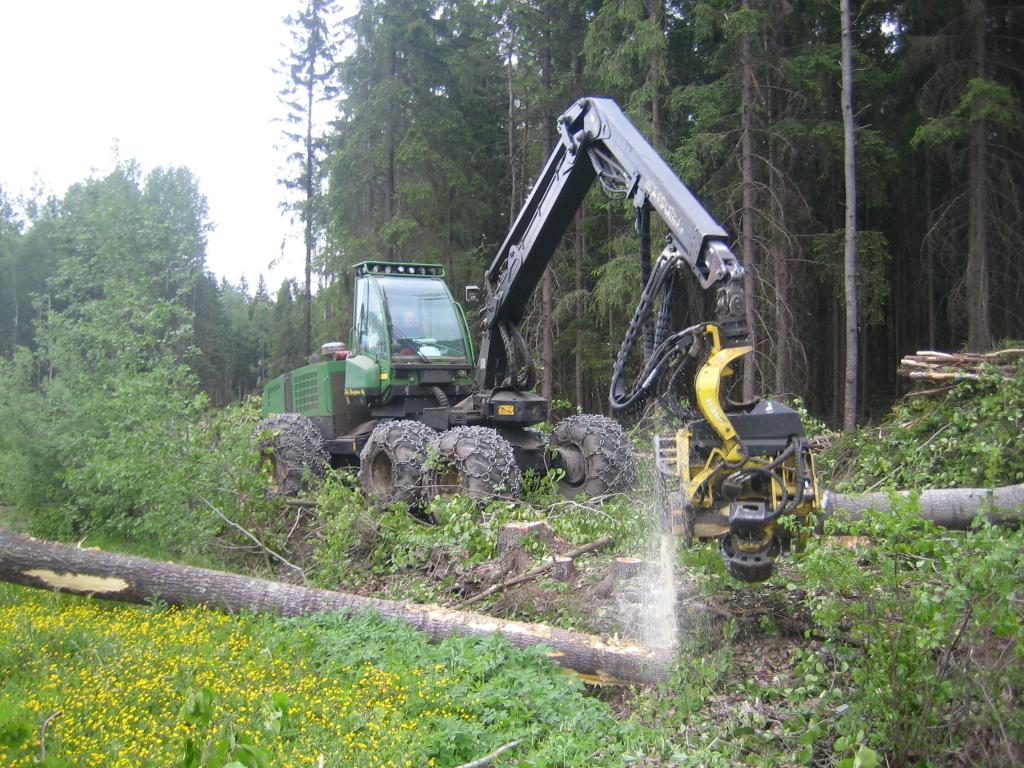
point(483, 459)
point(407, 446)
point(295, 444)
point(610, 462)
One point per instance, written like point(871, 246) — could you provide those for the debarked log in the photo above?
point(953, 508)
point(48, 565)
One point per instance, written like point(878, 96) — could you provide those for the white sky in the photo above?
point(189, 82)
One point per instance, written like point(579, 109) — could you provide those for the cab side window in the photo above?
point(370, 322)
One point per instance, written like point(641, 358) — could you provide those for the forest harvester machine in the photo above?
point(422, 413)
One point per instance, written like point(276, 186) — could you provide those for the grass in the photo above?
point(139, 686)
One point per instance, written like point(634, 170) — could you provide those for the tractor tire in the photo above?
point(294, 448)
point(391, 462)
point(595, 455)
point(475, 461)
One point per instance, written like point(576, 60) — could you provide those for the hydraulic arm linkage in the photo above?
point(731, 471)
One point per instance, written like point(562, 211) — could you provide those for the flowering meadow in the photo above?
point(94, 684)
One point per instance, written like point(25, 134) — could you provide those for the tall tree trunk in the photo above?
point(389, 170)
point(850, 249)
point(979, 333)
point(953, 508)
point(513, 197)
point(307, 215)
point(656, 71)
point(579, 248)
point(547, 376)
point(747, 225)
point(929, 256)
point(14, 304)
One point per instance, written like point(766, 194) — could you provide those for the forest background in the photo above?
point(420, 142)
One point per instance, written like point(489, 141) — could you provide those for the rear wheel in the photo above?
point(294, 448)
point(594, 453)
point(476, 461)
point(391, 462)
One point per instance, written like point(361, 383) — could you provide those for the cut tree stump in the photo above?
point(47, 565)
point(564, 569)
point(621, 570)
point(512, 537)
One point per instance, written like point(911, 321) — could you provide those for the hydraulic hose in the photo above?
point(620, 399)
point(521, 373)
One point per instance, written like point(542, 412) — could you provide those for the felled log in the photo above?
point(954, 508)
point(35, 563)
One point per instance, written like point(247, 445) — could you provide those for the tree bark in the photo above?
point(953, 508)
point(547, 375)
point(307, 215)
point(979, 333)
point(850, 247)
point(747, 220)
point(67, 568)
point(579, 248)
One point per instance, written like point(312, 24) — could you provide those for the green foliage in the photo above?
point(963, 439)
point(907, 617)
point(106, 429)
point(873, 256)
point(981, 99)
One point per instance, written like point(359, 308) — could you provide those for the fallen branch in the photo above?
point(251, 536)
point(540, 569)
point(48, 565)
point(489, 757)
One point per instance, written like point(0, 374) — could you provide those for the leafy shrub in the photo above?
point(965, 438)
point(927, 628)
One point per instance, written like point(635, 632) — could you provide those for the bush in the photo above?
point(925, 626)
point(965, 438)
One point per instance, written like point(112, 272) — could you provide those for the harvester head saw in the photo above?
point(739, 473)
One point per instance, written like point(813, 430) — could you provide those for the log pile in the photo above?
point(949, 368)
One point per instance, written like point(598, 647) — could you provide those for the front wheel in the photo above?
point(594, 453)
point(391, 462)
point(476, 461)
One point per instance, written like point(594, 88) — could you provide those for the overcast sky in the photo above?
point(189, 82)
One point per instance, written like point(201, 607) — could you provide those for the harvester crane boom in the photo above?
point(597, 142)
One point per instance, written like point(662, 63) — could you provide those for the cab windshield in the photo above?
point(424, 323)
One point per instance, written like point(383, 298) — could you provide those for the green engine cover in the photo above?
point(305, 390)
